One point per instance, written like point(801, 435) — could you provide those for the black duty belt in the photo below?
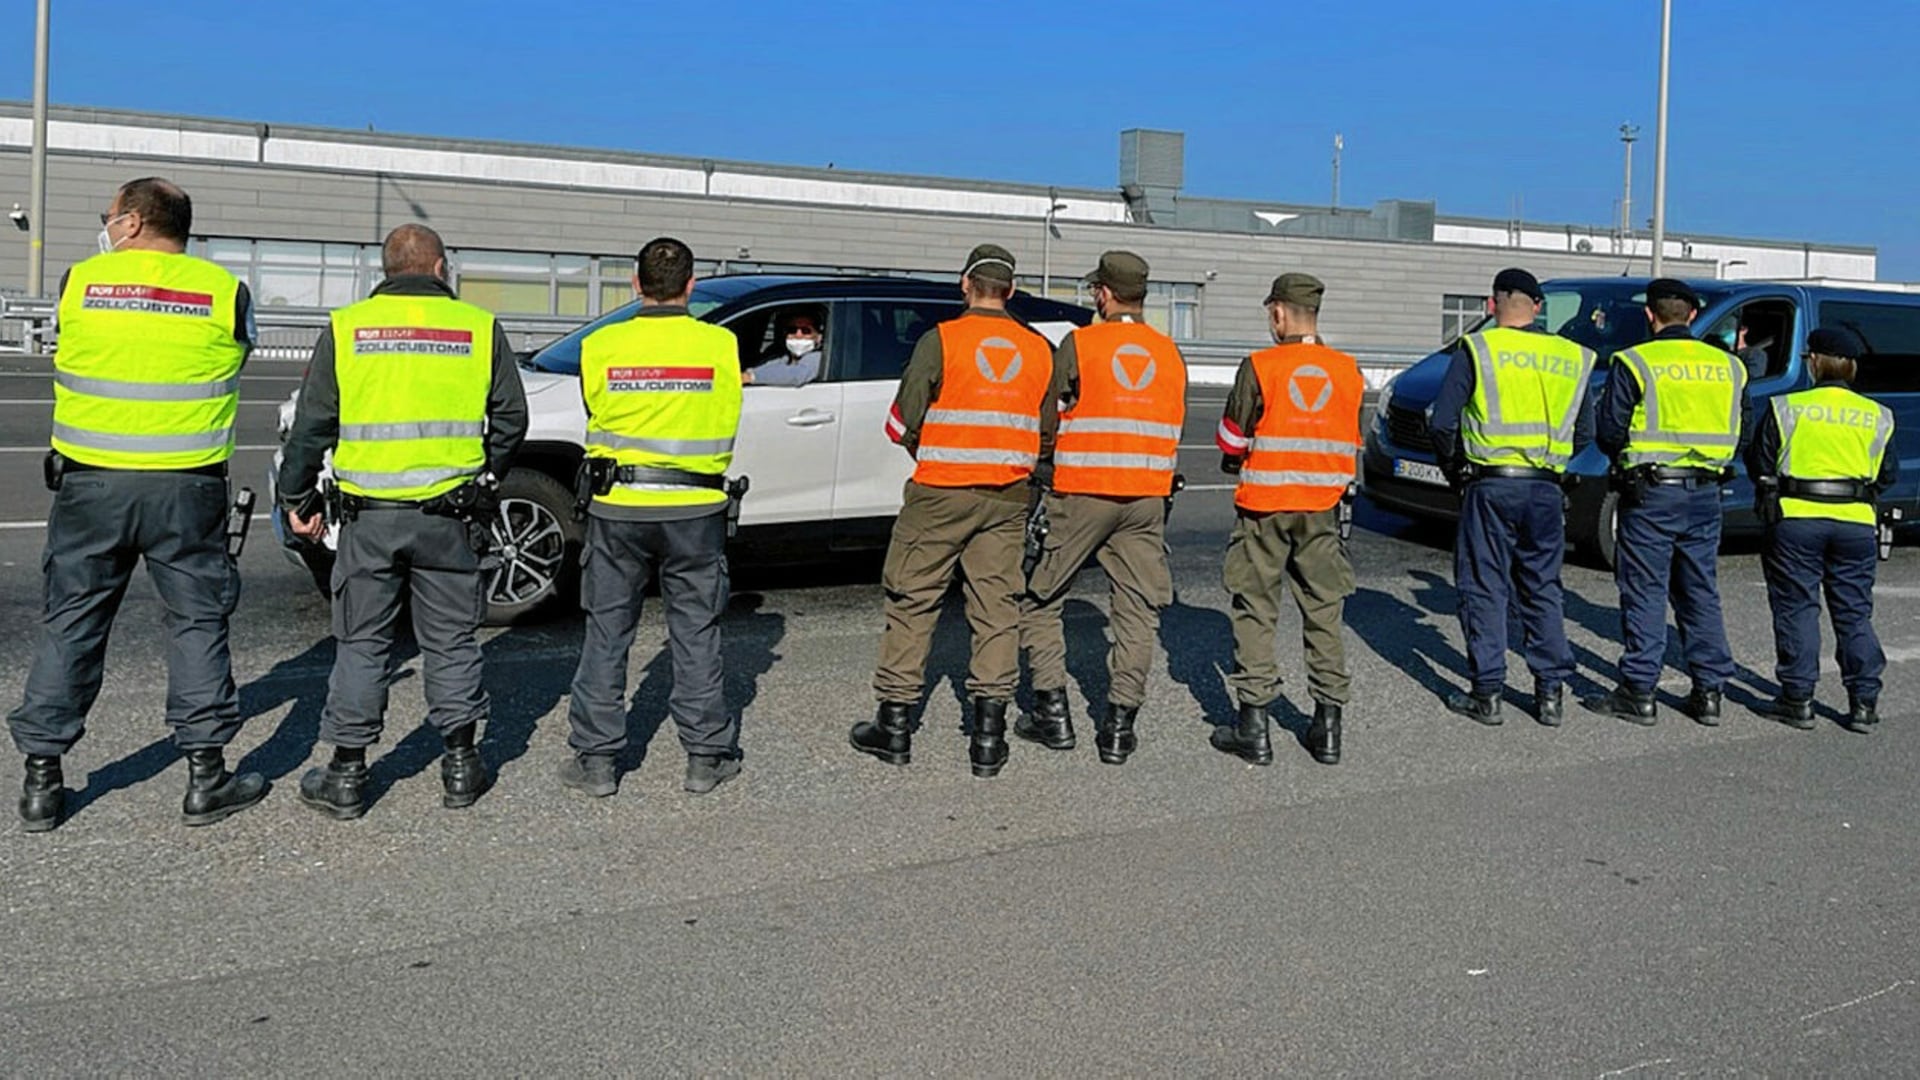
point(641, 474)
point(1826, 491)
point(1515, 472)
point(358, 503)
point(217, 470)
point(1667, 474)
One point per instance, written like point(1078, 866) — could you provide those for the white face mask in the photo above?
point(106, 240)
point(801, 346)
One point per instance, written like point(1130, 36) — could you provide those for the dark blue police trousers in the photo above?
point(1512, 532)
point(1803, 556)
point(1668, 547)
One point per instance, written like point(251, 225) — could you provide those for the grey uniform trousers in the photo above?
point(1128, 537)
point(102, 522)
point(691, 555)
point(1267, 555)
point(386, 553)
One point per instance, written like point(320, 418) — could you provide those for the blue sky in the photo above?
point(1789, 119)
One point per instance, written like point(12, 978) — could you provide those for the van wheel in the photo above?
point(537, 542)
point(1600, 533)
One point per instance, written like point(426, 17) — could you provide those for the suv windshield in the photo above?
point(562, 357)
point(1604, 316)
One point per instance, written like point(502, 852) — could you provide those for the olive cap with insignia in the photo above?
point(1835, 341)
point(1120, 270)
point(1667, 288)
point(1300, 290)
point(990, 262)
point(1515, 280)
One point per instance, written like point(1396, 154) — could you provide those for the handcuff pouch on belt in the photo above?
point(54, 469)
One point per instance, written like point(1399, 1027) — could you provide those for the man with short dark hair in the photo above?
point(977, 408)
point(1670, 419)
point(663, 398)
point(146, 385)
point(1820, 460)
point(418, 397)
point(1111, 476)
point(1511, 414)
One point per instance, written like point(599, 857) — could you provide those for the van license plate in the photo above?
point(1419, 471)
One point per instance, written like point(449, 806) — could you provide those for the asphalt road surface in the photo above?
point(1598, 900)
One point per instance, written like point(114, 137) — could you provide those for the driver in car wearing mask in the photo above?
point(797, 362)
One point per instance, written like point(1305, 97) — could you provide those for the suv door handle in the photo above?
point(810, 418)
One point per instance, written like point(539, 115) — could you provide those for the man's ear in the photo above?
point(636, 283)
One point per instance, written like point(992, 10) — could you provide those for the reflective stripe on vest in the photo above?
point(662, 392)
point(1831, 433)
point(1689, 410)
point(1528, 392)
point(147, 375)
point(1301, 452)
point(983, 430)
point(1122, 436)
point(414, 374)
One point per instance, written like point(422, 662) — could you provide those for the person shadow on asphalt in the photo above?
point(1198, 643)
point(748, 639)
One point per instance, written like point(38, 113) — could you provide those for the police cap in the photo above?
point(1667, 288)
point(1513, 279)
point(990, 262)
point(1300, 290)
point(1122, 271)
point(1835, 341)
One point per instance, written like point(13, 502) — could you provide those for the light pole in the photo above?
point(1660, 143)
point(1054, 206)
point(37, 184)
point(1628, 134)
point(1339, 144)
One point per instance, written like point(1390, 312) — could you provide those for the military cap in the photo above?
point(1513, 279)
point(1120, 270)
point(1300, 290)
point(1667, 288)
point(990, 262)
point(1835, 341)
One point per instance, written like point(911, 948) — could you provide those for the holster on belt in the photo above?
point(1343, 514)
point(1890, 518)
point(594, 477)
point(736, 490)
point(1035, 539)
point(239, 518)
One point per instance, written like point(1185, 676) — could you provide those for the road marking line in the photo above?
point(1636, 1068)
point(1210, 487)
point(1856, 1001)
point(43, 449)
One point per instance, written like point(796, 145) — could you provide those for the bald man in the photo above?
point(417, 396)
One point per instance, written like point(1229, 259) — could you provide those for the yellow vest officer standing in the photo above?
point(662, 392)
point(146, 384)
point(418, 397)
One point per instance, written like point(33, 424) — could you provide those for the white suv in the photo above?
point(825, 479)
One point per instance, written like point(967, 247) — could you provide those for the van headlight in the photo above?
point(1386, 398)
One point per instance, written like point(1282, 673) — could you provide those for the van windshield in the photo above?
point(1604, 316)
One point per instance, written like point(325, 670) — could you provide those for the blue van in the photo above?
point(1764, 324)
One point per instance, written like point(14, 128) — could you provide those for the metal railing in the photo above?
point(286, 333)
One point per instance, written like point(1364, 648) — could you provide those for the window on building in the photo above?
point(1458, 314)
point(1173, 308)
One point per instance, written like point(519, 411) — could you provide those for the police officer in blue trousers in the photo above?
point(1819, 461)
point(1671, 420)
point(1511, 413)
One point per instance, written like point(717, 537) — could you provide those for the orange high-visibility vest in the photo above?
point(1123, 432)
point(984, 428)
point(1301, 456)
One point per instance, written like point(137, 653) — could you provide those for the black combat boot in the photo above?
point(1794, 712)
point(213, 793)
point(1703, 706)
point(1323, 735)
point(1480, 708)
point(1050, 723)
point(1113, 733)
point(1625, 703)
point(590, 774)
point(463, 776)
point(1550, 705)
point(987, 750)
point(888, 736)
point(43, 795)
point(1247, 739)
point(1861, 715)
point(339, 789)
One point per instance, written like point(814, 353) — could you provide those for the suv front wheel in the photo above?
point(537, 543)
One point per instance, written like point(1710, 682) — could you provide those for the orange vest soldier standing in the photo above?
point(1291, 430)
point(976, 408)
point(1126, 400)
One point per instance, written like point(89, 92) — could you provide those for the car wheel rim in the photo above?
point(531, 547)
